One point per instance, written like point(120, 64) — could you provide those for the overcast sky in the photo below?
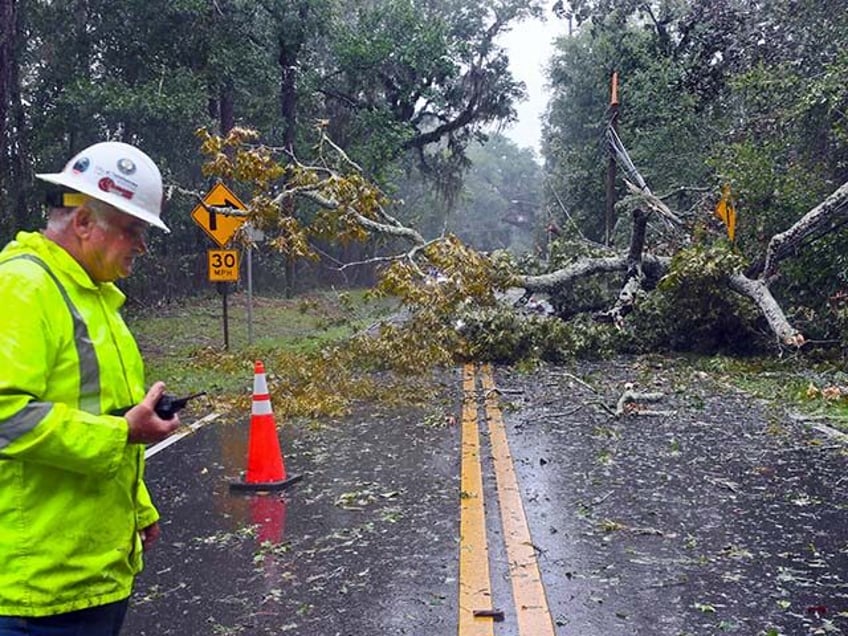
point(530, 45)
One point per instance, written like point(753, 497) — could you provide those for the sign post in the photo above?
point(223, 263)
point(254, 235)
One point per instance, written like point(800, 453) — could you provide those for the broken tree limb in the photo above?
point(391, 229)
point(818, 221)
point(656, 204)
point(631, 397)
point(554, 281)
point(758, 291)
point(634, 275)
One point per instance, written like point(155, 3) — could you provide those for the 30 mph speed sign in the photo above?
point(223, 266)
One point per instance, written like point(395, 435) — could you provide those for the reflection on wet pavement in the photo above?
point(720, 515)
point(364, 544)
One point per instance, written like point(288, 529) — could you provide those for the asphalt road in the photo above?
point(705, 512)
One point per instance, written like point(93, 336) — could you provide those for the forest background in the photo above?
point(407, 97)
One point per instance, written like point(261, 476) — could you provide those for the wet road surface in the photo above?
point(716, 515)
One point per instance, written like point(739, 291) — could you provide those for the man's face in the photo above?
point(113, 243)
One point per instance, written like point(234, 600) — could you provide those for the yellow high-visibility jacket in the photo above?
point(72, 499)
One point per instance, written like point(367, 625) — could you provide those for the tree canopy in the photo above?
point(362, 135)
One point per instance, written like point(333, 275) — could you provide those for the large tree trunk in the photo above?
point(291, 44)
point(758, 291)
point(7, 60)
point(656, 266)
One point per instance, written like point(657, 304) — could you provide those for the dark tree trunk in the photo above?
point(226, 108)
point(14, 177)
point(7, 60)
point(291, 44)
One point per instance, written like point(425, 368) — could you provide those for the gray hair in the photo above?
point(58, 218)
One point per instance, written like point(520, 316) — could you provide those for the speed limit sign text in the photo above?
point(223, 266)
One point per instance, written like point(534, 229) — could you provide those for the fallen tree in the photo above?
point(754, 283)
point(347, 206)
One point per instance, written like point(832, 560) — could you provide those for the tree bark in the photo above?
point(757, 290)
point(634, 276)
point(815, 223)
point(14, 181)
point(655, 266)
point(7, 59)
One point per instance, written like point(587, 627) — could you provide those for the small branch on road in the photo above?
point(610, 411)
point(630, 403)
point(732, 486)
point(499, 391)
point(599, 500)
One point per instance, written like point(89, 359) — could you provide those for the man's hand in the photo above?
point(149, 535)
point(144, 425)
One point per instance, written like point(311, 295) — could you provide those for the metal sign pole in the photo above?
point(226, 322)
point(249, 295)
point(226, 319)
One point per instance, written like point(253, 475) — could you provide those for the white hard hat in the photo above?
point(118, 174)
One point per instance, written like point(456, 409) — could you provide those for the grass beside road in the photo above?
point(183, 343)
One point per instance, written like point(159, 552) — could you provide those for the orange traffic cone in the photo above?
point(266, 469)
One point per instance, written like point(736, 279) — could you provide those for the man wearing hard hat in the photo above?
point(75, 515)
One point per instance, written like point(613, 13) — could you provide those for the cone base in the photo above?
point(268, 485)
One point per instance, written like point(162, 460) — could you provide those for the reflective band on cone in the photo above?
point(266, 469)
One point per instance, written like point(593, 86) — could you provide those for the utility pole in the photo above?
point(613, 121)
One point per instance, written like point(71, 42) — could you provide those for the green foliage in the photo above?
point(573, 141)
point(507, 337)
point(790, 155)
point(586, 293)
point(390, 81)
point(402, 74)
point(693, 309)
point(710, 94)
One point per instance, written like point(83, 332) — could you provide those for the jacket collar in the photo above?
point(62, 262)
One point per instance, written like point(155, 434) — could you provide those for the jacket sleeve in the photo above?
point(146, 512)
point(32, 427)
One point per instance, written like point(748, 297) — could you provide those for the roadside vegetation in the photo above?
point(326, 352)
point(319, 351)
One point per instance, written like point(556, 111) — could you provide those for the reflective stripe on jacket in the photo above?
point(72, 499)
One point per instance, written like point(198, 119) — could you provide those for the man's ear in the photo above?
point(83, 221)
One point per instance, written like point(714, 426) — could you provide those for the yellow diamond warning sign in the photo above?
point(223, 266)
point(220, 227)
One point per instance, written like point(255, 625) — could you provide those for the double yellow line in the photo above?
point(477, 612)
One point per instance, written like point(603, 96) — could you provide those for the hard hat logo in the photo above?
point(118, 174)
point(81, 164)
point(126, 166)
point(107, 184)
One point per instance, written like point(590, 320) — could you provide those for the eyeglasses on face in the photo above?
point(130, 229)
point(133, 231)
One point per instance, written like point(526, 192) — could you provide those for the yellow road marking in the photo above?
point(531, 604)
point(475, 591)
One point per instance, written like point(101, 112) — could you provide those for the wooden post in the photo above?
point(610, 199)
